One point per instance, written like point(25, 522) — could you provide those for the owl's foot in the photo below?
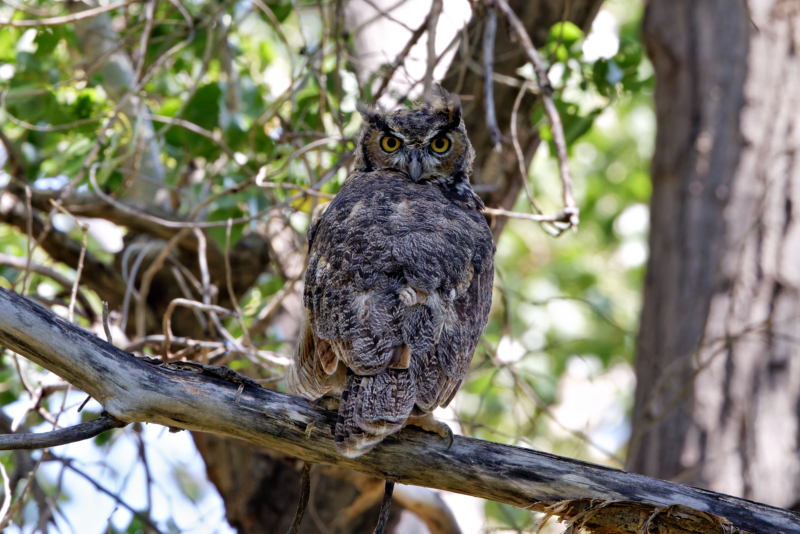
point(329, 403)
point(429, 424)
point(411, 296)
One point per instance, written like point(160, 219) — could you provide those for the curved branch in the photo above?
point(62, 436)
point(592, 496)
point(66, 19)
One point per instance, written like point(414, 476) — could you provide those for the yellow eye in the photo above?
point(390, 144)
point(440, 145)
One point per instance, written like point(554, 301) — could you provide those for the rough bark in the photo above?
point(133, 389)
point(718, 363)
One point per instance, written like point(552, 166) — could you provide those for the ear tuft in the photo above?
point(368, 112)
point(446, 103)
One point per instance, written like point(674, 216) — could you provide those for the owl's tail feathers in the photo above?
point(372, 408)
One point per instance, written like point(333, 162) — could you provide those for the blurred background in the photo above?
point(120, 120)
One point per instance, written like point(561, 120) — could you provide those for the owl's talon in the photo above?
point(328, 403)
point(429, 424)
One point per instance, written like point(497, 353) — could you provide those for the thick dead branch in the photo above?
point(131, 389)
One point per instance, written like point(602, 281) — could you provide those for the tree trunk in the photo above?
point(718, 363)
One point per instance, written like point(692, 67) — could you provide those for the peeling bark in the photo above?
point(718, 360)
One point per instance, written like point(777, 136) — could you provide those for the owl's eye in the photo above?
point(440, 145)
point(390, 144)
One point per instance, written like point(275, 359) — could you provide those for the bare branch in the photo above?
point(489, 32)
point(56, 21)
point(305, 493)
point(433, 22)
point(131, 389)
point(6, 494)
point(401, 57)
point(550, 109)
point(62, 436)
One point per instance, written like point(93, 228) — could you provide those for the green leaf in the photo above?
point(568, 31)
point(202, 110)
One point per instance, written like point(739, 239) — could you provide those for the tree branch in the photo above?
point(61, 436)
point(56, 21)
point(592, 496)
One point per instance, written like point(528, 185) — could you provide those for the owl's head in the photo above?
point(428, 143)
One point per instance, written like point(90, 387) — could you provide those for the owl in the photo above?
point(399, 279)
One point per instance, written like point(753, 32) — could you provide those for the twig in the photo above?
point(29, 251)
point(489, 32)
point(433, 22)
point(523, 172)
point(6, 494)
point(22, 379)
point(68, 462)
point(268, 312)
point(77, 277)
point(211, 136)
point(147, 279)
point(84, 403)
point(539, 67)
point(229, 279)
point(56, 21)
point(149, 10)
point(305, 491)
point(385, 507)
point(167, 322)
point(400, 59)
point(265, 174)
point(381, 13)
point(750, 15)
point(21, 263)
point(81, 258)
point(80, 432)
point(187, 293)
point(105, 323)
point(27, 9)
point(22, 496)
point(130, 279)
point(562, 216)
point(290, 187)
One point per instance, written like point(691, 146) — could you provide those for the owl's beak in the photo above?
point(415, 168)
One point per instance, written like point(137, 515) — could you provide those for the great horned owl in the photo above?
point(399, 280)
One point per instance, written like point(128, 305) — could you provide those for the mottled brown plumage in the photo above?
point(399, 280)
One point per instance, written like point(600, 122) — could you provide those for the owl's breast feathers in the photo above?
point(397, 294)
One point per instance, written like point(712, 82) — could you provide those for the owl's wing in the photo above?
point(397, 291)
point(316, 371)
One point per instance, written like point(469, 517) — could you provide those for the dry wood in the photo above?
point(600, 498)
point(61, 436)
